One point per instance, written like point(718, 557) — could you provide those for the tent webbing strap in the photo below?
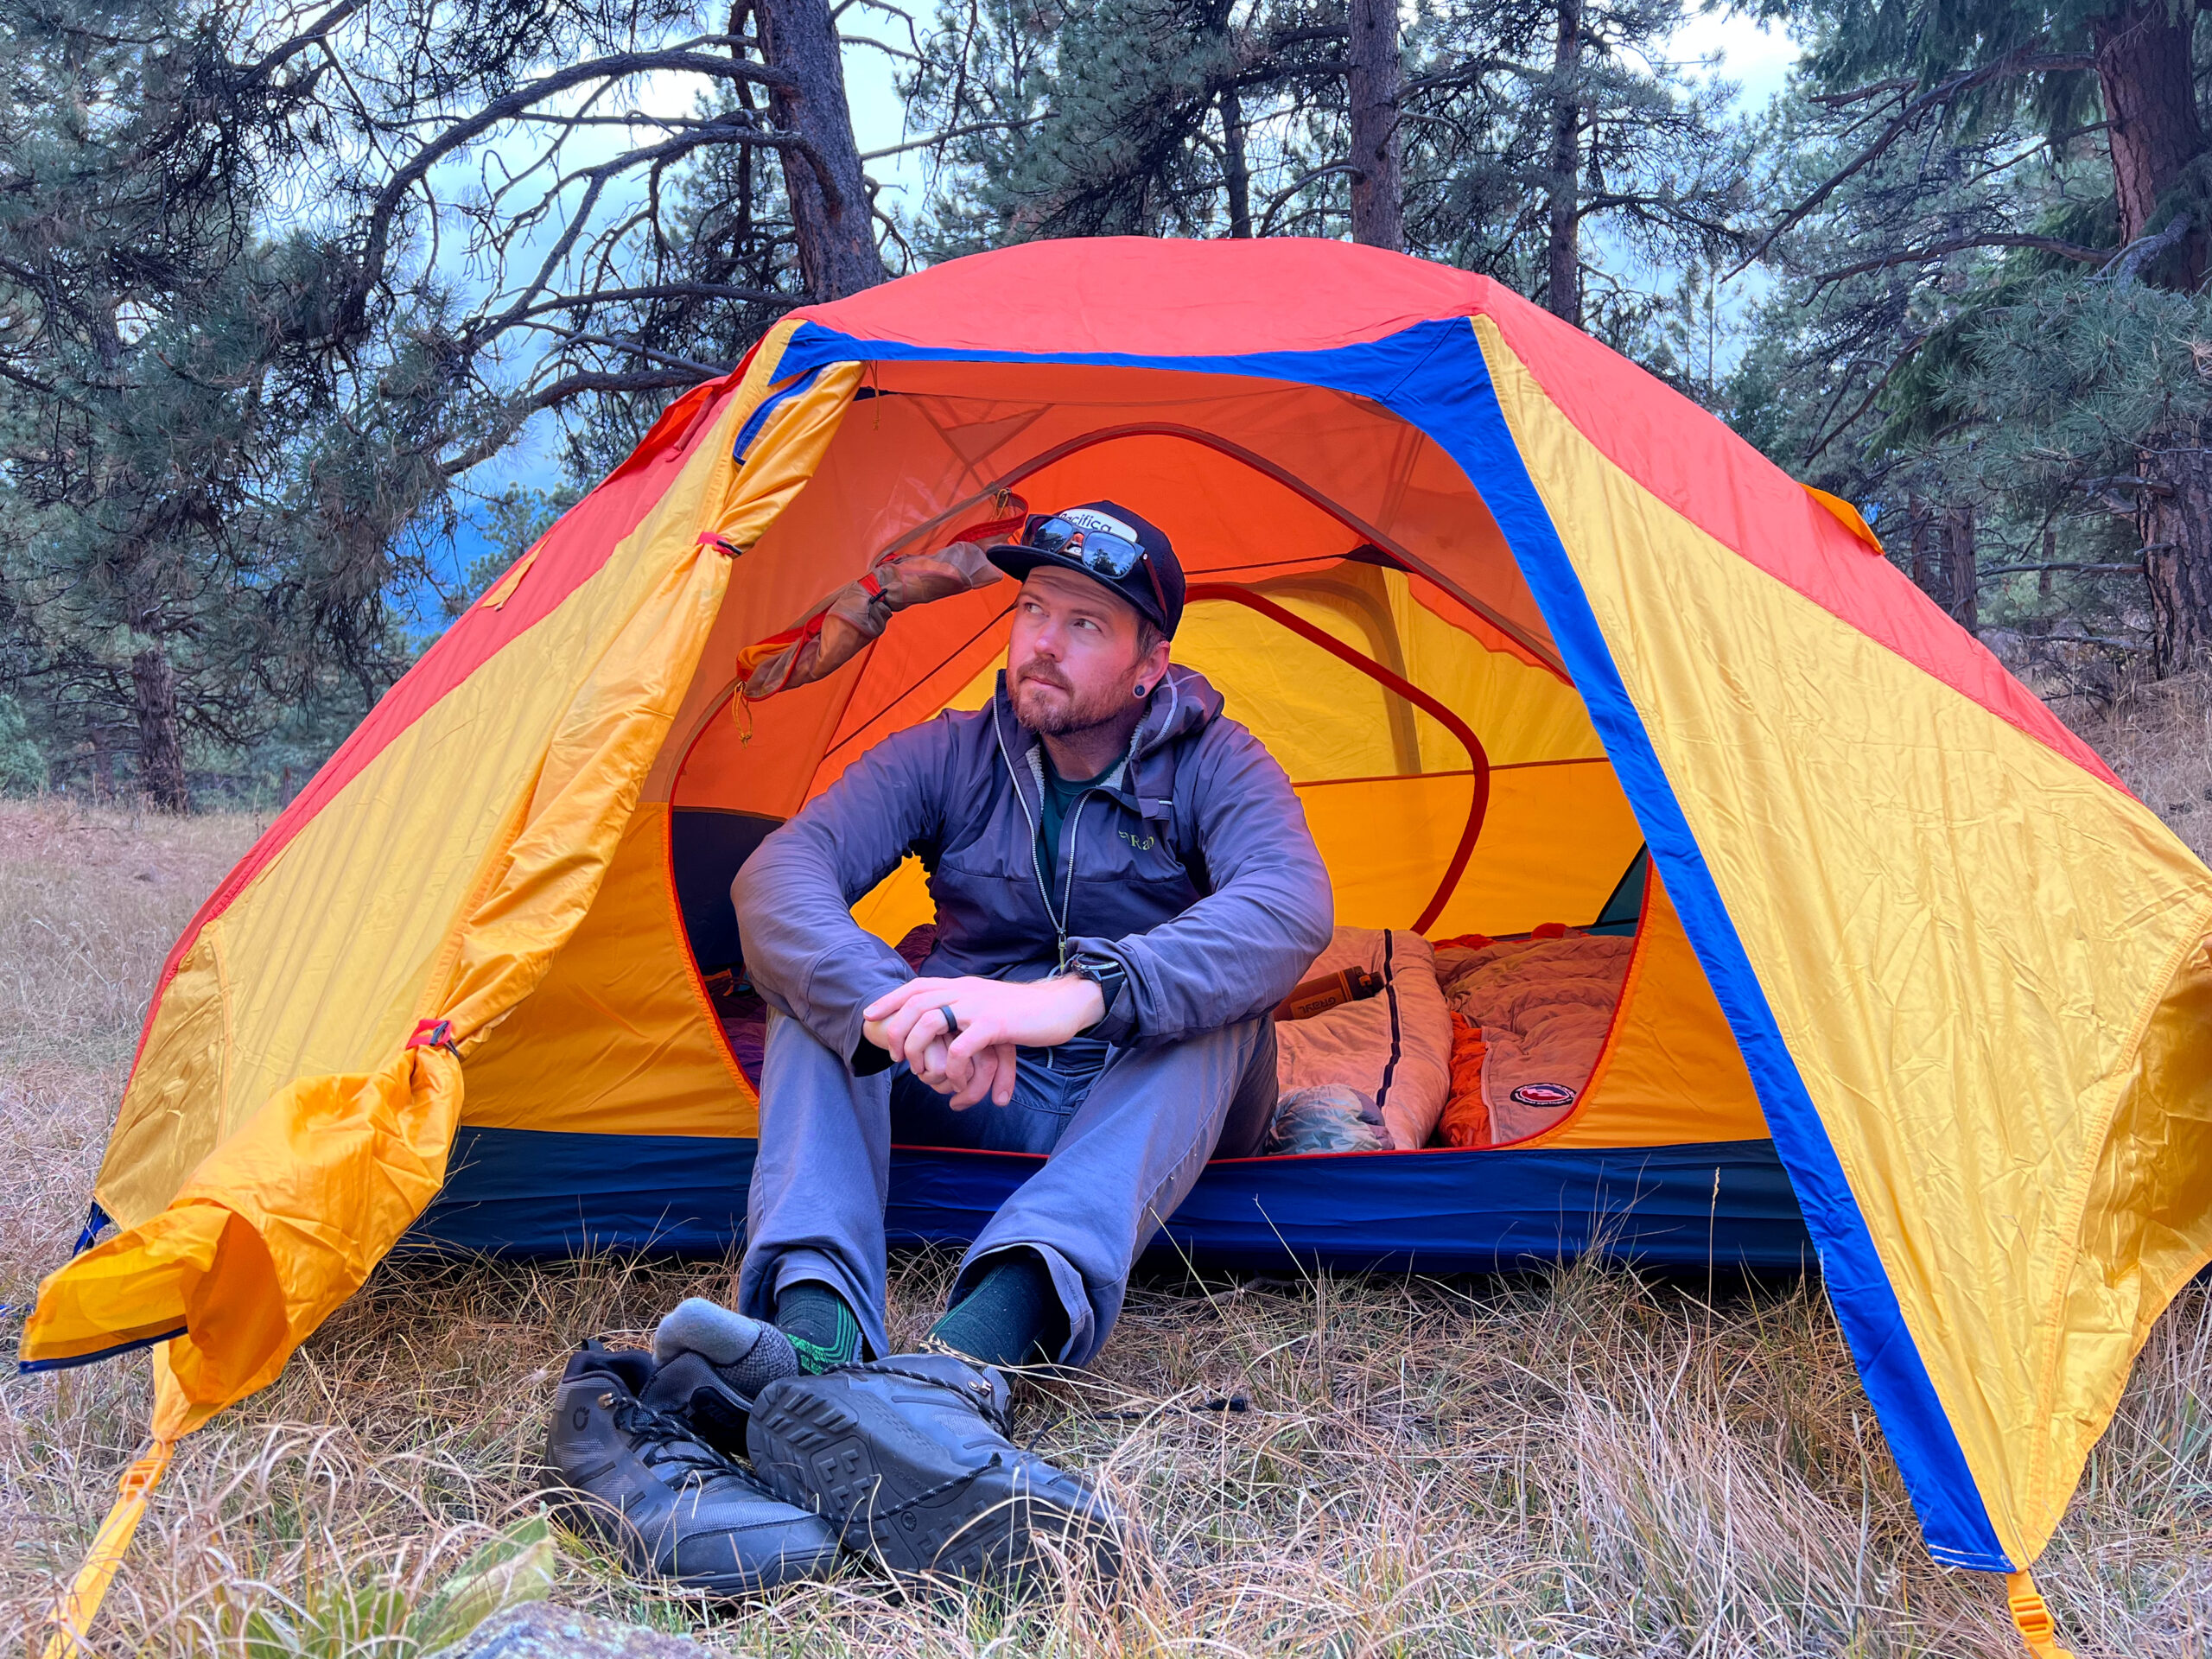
point(76, 1610)
point(2031, 1617)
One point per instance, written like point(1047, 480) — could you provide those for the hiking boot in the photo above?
point(908, 1459)
point(712, 1362)
point(678, 1508)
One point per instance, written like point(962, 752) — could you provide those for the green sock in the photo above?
point(1013, 1316)
point(821, 1328)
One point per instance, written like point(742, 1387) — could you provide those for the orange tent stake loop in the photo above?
point(2031, 1617)
point(77, 1609)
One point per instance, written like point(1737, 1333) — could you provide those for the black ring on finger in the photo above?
point(951, 1024)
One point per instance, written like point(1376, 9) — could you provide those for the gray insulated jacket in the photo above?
point(1191, 864)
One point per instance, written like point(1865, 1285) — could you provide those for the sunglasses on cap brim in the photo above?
point(1098, 551)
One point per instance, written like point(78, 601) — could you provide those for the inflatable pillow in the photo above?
point(1331, 1118)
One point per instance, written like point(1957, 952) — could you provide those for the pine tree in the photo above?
point(2108, 87)
point(1551, 142)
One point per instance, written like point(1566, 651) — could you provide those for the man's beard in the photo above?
point(1056, 719)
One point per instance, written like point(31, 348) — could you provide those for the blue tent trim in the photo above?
point(538, 1194)
point(1433, 376)
point(767, 406)
point(1461, 412)
point(33, 1367)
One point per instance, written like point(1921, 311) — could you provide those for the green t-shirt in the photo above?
point(1060, 800)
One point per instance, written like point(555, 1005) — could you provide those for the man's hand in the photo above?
point(992, 1016)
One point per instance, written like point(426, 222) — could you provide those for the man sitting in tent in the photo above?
point(1125, 888)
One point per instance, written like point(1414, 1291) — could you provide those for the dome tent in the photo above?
point(1908, 960)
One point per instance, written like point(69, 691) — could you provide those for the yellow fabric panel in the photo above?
point(1962, 934)
point(899, 904)
point(330, 947)
point(170, 1118)
point(283, 1220)
point(2143, 1217)
point(1671, 1072)
point(1320, 717)
point(1387, 841)
point(279, 1226)
point(620, 1038)
point(1522, 712)
point(1555, 842)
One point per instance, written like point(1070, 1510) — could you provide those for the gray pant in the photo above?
point(1126, 1132)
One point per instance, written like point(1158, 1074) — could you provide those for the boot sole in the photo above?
point(986, 1526)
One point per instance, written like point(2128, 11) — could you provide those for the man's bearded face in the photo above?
point(1072, 662)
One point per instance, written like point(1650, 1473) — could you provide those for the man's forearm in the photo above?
point(804, 952)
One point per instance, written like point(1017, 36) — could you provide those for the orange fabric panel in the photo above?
point(1671, 1072)
point(620, 1038)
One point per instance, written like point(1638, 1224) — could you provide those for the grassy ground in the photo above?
point(1584, 1463)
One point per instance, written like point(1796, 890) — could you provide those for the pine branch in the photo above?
point(1958, 244)
point(2028, 60)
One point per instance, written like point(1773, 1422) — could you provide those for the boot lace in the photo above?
point(658, 1439)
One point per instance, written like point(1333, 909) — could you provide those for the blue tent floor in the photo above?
point(536, 1194)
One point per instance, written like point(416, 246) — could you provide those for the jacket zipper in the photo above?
point(1059, 916)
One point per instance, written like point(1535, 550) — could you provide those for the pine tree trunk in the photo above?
point(1963, 578)
point(836, 235)
point(160, 754)
point(103, 767)
point(2143, 68)
point(1960, 567)
point(1378, 191)
point(1923, 525)
point(2178, 552)
point(1563, 253)
point(1236, 174)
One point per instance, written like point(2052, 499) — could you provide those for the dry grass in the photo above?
point(2158, 736)
point(1582, 1463)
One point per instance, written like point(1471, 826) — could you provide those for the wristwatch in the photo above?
point(1107, 974)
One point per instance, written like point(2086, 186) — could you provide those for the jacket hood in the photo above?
point(1183, 704)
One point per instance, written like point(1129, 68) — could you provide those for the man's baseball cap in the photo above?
point(1116, 548)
